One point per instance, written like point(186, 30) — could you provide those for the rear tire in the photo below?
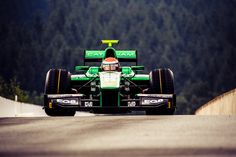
point(57, 82)
point(161, 82)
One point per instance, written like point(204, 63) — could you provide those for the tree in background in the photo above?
point(9, 90)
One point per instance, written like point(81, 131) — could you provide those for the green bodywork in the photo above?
point(109, 82)
point(126, 72)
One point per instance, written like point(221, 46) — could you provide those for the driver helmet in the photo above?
point(110, 64)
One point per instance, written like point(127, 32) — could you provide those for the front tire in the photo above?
point(161, 82)
point(59, 112)
point(57, 82)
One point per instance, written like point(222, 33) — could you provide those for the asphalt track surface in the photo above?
point(119, 135)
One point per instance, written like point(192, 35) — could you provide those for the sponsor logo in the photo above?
point(94, 54)
point(131, 104)
point(126, 54)
point(68, 101)
point(152, 101)
point(88, 104)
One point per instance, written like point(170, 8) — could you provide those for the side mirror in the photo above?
point(81, 68)
point(139, 68)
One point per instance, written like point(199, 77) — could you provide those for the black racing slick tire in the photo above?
point(160, 111)
point(57, 82)
point(161, 82)
point(59, 112)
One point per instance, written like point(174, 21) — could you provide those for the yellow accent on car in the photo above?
point(160, 80)
point(169, 105)
point(50, 105)
point(110, 42)
point(58, 81)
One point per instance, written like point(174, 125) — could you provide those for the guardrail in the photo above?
point(224, 104)
point(9, 108)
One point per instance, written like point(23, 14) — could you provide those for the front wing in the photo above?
point(79, 103)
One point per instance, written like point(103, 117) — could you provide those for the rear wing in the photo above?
point(121, 55)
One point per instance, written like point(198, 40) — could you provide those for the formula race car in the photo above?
point(109, 87)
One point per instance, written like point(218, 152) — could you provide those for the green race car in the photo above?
point(109, 87)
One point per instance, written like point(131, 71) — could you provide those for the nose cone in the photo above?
point(110, 80)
